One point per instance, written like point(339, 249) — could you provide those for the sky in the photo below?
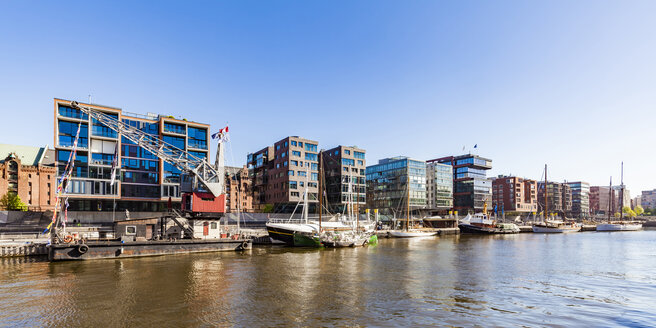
point(570, 84)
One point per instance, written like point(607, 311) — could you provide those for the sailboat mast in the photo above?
point(320, 187)
point(546, 194)
point(407, 221)
point(622, 193)
point(610, 197)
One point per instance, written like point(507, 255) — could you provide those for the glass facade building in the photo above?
point(345, 178)
point(580, 199)
point(389, 181)
point(143, 181)
point(439, 186)
point(471, 187)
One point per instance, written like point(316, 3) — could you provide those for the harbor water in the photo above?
point(576, 279)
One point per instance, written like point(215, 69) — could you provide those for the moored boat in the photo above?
point(620, 225)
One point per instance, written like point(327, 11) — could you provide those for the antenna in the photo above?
point(89, 98)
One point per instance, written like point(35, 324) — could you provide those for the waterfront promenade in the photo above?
point(580, 279)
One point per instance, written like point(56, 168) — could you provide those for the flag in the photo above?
point(114, 165)
point(476, 146)
point(222, 135)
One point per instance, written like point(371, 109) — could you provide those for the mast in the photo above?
point(546, 194)
point(610, 198)
point(407, 221)
point(320, 187)
point(622, 193)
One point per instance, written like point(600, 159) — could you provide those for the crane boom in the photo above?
point(198, 168)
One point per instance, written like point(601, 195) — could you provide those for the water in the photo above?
point(578, 279)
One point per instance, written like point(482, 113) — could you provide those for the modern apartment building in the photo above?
point(345, 177)
point(648, 199)
point(238, 190)
point(471, 188)
point(559, 197)
point(580, 199)
point(281, 173)
point(30, 173)
point(514, 195)
point(439, 186)
point(389, 181)
point(144, 182)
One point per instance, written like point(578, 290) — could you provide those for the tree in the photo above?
point(639, 210)
point(268, 208)
point(631, 213)
point(626, 209)
point(12, 202)
point(617, 215)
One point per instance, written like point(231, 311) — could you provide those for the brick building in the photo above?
point(30, 173)
point(514, 194)
point(238, 190)
point(559, 197)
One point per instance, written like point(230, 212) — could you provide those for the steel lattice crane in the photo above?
point(199, 179)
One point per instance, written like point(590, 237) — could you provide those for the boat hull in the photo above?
point(547, 229)
point(619, 227)
point(292, 238)
point(411, 234)
point(470, 228)
point(117, 249)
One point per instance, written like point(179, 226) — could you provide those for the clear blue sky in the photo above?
point(568, 83)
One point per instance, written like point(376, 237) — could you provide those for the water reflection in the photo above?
point(528, 279)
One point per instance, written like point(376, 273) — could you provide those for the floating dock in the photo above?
point(117, 249)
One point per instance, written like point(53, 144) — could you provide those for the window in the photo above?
point(293, 143)
point(296, 153)
point(347, 152)
point(277, 147)
point(310, 147)
point(300, 173)
point(348, 161)
point(284, 163)
point(358, 154)
point(68, 131)
point(311, 157)
point(177, 142)
point(174, 128)
point(360, 162)
point(283, 154)
point(101, 130)
point(197, 138)
point(292, 185)
point(285, 144)
point(290, 172)
point(315, 167)
point(314, 176)
point(72, 113)
point(213, 225)
point(294, 163)
point(300, 144)
point(130, 230)
point(294, 193)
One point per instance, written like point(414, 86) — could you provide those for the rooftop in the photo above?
point(28, 155)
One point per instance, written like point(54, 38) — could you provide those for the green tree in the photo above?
point(639, 210)
point(626, 209)
point(12, 202)
point(631, 213)
point(268, 208)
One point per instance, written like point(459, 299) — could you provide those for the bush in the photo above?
point(12, 202)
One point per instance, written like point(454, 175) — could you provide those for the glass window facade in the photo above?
point(388, 183)
point(67, 132)
point(174, 128)
point(100, 130)
point(72, 113)
point(197, 138)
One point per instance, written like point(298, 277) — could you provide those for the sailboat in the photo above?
point(620, 225)
point(407, 232)
point(482, 223)
point(552, 225)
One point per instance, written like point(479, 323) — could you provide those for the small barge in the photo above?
point(118, 249)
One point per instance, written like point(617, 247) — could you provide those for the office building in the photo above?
point(30, 173)
point(392, 181)
point(344, 168)
point(439, 186)
point(580, 199)
point(514, 195)
point(601, 199)
point(281, 173)
point(471, 188)
point(144, 182)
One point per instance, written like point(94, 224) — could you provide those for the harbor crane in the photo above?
point(201, 184)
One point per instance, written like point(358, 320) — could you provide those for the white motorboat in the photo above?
point(620, 226)
point(411, 233)
point(556, 226)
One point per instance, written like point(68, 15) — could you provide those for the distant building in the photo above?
point(282, 173)
point(514, 194)
point(439, 186)
point(558, 196)
point(144, 181)
point(471, 188)
point(602, 199)
point(388, 183)
point(30, 173)
point(623, 197)
point(648, 199)
point(635, 202)
point(580, 199)
point(341, 165)
point(238, 190)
